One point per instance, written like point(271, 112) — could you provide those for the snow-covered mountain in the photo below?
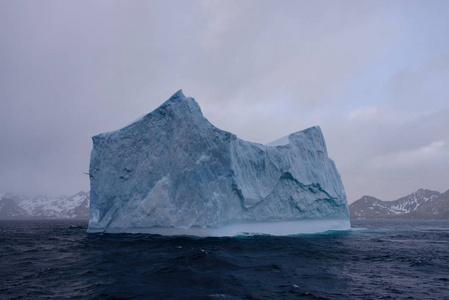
point(422, 204)
point(42, 207)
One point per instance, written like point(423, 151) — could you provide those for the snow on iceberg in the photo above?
point(172, 172)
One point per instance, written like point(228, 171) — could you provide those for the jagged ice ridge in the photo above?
point(173, 172)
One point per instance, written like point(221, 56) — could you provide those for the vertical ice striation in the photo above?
point(173, 172)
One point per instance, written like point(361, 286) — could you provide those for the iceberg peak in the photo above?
point(178, 95)
point(180, 106)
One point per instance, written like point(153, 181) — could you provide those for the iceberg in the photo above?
point(172, 172)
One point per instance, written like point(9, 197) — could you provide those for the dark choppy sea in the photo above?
point(375, 260)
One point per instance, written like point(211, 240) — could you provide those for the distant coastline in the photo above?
point(422, 204)
point(15, 206)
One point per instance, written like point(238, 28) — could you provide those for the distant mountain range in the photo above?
point(42, 207)
point(422, 204)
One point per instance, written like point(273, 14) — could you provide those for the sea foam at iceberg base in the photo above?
point(172, 172)
point(280, 228)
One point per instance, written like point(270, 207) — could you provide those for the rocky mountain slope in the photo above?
point(42, 207)
point(422, 204)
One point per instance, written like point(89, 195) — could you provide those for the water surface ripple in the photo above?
point(377, 259)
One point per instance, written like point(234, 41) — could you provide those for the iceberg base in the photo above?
point(250, 228)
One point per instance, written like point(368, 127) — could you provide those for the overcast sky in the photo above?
point(373, 74)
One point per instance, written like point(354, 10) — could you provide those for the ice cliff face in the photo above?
point(174, 169)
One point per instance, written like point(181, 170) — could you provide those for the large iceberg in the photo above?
point(172, 172)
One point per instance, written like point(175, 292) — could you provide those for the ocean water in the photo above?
point(380, 259)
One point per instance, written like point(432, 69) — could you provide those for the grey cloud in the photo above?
point(71, 70)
